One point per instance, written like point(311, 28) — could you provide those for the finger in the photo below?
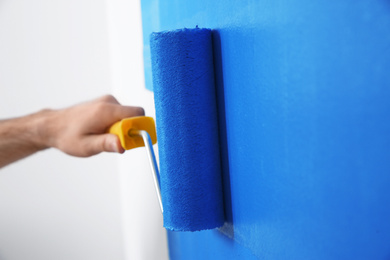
point(108, 114)
point(95, 144)
point(130, 111)
point(117, 112)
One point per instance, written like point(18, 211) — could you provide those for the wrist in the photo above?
point(41, 131)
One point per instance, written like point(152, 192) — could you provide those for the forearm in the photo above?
point(21, 137)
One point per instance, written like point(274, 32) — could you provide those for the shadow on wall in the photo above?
point(247, 68)
point(228, 227)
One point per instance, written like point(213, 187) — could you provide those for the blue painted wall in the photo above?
point(304, 95)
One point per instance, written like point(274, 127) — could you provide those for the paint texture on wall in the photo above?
point(303, 90)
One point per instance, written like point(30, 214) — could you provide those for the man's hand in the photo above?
point(79, 130)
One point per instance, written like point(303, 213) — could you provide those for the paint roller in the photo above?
point(187, 129)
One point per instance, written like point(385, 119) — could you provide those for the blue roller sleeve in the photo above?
point(187, 129)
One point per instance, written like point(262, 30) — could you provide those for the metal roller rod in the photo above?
point(152, 160)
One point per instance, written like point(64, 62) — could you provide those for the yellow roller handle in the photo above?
point(124, 127)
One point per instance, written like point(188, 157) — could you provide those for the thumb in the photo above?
point(103, 143)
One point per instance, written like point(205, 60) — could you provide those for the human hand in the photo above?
point(80, 130)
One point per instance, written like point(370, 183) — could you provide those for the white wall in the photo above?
point(145, 238)
point(53, 206)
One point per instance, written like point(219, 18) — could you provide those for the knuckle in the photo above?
point(99, 109)
point(108, 98)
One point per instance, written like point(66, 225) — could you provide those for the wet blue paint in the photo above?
point(304, 94)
